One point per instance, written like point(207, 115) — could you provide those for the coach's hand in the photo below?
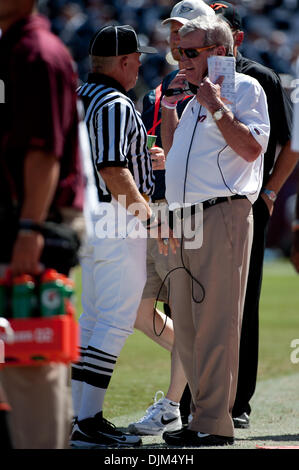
point(179, 81)
point(209, 94)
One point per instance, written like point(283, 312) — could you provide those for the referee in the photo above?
point(114, 261)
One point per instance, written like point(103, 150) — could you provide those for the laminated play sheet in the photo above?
point(226, 67)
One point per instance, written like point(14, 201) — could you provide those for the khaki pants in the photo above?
point(40, 401)
point(208, 332)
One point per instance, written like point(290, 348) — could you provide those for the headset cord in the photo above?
point(194, 280)
point(181, 250)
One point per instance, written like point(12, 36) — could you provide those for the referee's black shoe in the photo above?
point(187, 438)
point(97, 432)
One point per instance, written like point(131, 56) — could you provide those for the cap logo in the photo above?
point(217, 6)
point(184, 9)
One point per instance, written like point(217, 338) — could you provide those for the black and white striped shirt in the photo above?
point(116, 133)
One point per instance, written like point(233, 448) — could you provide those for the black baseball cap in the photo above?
point(228, 11)
point(111, 41)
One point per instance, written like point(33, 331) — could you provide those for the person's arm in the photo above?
point(111, 160)
point(44, 110)
point(236, 134)
point(41, 173)
point(284, 166)
point(120, 182)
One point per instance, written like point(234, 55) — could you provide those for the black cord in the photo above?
point(222, 175)
point(181, 248)
point(162, 284)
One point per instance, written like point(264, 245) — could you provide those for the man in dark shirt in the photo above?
point(276, 172)
point(40, 176)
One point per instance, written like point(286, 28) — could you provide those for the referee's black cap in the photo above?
point(229, 13)
point(111, 41)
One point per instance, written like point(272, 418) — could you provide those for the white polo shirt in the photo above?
point(200, 165)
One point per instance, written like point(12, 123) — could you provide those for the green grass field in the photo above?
point(143, 367)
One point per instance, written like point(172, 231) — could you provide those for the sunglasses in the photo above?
point(192, 53)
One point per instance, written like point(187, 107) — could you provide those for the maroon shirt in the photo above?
point(39, 110)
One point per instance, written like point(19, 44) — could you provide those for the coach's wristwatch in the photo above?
point(270, 194)
point(219, 113)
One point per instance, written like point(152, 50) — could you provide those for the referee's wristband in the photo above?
point(295, 225)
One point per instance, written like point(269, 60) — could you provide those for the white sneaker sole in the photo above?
point(144, 431)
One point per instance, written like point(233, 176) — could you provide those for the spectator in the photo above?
point(40, 179)
point(260, 20)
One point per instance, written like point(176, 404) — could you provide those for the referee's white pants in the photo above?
point(113, 278)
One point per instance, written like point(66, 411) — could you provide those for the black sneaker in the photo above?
point(98, 432)
point(188, 438)
point(242, 421)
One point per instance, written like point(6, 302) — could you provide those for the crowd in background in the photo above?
point(271, 37)
point(271, 26)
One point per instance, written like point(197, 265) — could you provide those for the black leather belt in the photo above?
point(217, 200)
point(191, 210)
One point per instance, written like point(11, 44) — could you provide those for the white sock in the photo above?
point(91, 401)
point(77, 388)
point(77, 381)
